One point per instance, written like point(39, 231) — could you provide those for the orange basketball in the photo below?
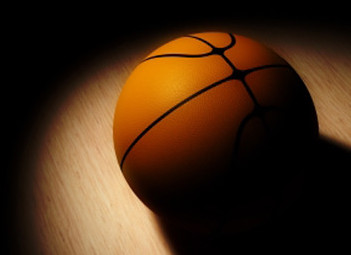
point(207, 123)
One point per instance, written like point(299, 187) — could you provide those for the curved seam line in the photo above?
point(231, 44)
point(178, 55)
point(169, 111)
point(254, 69)
point(200, 39)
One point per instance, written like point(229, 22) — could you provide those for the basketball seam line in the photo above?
point(179, 55)
point(212, 52)
point(254, 113)
point(233, 76)
point(170, 111)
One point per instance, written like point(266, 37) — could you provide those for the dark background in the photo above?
point(43, 44)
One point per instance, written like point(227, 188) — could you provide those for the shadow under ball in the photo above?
point(211, 129)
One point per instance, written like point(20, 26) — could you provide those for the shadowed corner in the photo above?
point(313, 220)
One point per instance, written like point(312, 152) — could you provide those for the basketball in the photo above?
point(210, 126)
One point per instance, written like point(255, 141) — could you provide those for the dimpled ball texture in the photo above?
point(211, 126)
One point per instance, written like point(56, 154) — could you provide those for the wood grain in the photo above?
point(72, 190)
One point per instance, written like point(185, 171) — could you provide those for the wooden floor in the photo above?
point(73, 195)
